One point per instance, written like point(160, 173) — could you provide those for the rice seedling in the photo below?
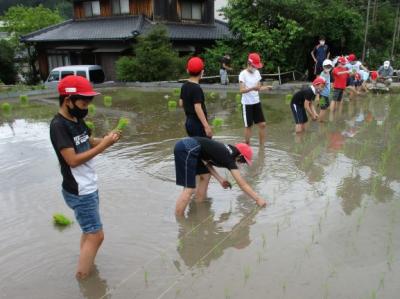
point(284, 286)
point(313, 237)
point(277, 229)
point(107, 101)
point(382, 281)
point(122, 123)
point(259, 257)
point(217, 122)
point(6, 107)
point(92, 109)
point(212, 95)
point(62, 220)
point(288, 98)
point(373, 294)
point(180, 245)
point(146, 277)
point(177, 293)
point(320, 224)
point(24, 100)
point(238, 99)
point(326, 290)
point(247, 273)
point(176, 92)
point(227, 293)
point(172, 104)
point(264, 241)
point(90, 125)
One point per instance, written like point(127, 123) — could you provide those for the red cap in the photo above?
point(195, 65)
point(351, 57)
point(76, 85)
point(246, 151)
point(342, 59)
point(319, 80)
point(255, 60)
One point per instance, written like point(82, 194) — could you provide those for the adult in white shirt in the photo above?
point(250, 85)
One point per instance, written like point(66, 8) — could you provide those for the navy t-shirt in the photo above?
point(191, 93)
point(217, 153)
point(302, 95)
point(64, 133)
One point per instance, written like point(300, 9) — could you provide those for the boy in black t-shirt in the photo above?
point(75, 150)
point(194, 154)
point(193, 101)
point(302, 102)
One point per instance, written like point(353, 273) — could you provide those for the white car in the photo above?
point(94, 73)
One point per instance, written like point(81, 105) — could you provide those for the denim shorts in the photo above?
point(86, 209)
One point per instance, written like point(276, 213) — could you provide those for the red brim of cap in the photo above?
point(248, 161)
point(88, 93)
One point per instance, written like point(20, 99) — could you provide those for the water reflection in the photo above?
point(94, 286)
point(203, 239)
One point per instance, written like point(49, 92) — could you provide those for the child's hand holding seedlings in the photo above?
point(110, 138)
point(226, 184)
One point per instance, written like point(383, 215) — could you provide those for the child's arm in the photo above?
point(310, 108)
point(73, 159)
point(243, 88)
point(180, 103)
point(200, 114)
point(246, 188)
point(224, 182)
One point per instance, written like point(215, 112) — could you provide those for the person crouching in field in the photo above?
point(199, 155)
point(302, 102)
point(75, 149)
point(250, 85)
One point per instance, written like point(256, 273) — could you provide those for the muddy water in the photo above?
point(331, 229)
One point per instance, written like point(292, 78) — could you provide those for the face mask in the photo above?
point(252, 69)
point(322, 42)
point(77, 112)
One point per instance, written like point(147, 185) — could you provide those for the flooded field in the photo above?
point(331, 228)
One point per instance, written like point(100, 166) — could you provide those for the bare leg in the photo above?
point(90, 244)
point(247, 134)
point(321, 116)
point(299, 128)
point(261, 132)
point(183, 201)
point(201, 190)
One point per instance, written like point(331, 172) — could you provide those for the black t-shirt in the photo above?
point(217, 153)
point(225, 60)
point(302, 95)
point(191, 93)
point(65, 133)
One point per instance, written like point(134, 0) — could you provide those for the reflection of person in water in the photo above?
point(94, 287)
point(203, 239)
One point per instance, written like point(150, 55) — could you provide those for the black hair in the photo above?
point(73, 98)
point(195, 74)
point(321, 37)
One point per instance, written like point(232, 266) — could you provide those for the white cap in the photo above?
point(327, 62)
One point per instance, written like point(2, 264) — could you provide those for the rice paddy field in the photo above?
point(331, 228)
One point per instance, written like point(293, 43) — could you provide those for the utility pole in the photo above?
point(395, 31)
point(366, 31)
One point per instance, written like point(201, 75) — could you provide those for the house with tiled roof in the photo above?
point(104, 30)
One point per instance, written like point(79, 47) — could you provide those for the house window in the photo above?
point(191, 10)
point(120, 7)
point(92, 8)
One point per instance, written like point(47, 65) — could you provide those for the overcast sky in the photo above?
point(218, 5)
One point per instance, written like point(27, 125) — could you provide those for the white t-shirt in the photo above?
point(250, 80)
point(355, 66)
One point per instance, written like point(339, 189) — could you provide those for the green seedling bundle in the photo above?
point(107, 101)
point(24, 100)
point(90, 125)
point(176, 92)
point(122, 123)
point(62, 220)
point(288, 98)
point(217, 122)
point(6, 108)
point(92, 109)
point(172, 104)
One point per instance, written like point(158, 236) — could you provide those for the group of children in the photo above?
point(196, 156)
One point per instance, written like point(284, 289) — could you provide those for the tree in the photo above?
point(154, 59)
point(8, 72)
point(20, 20)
